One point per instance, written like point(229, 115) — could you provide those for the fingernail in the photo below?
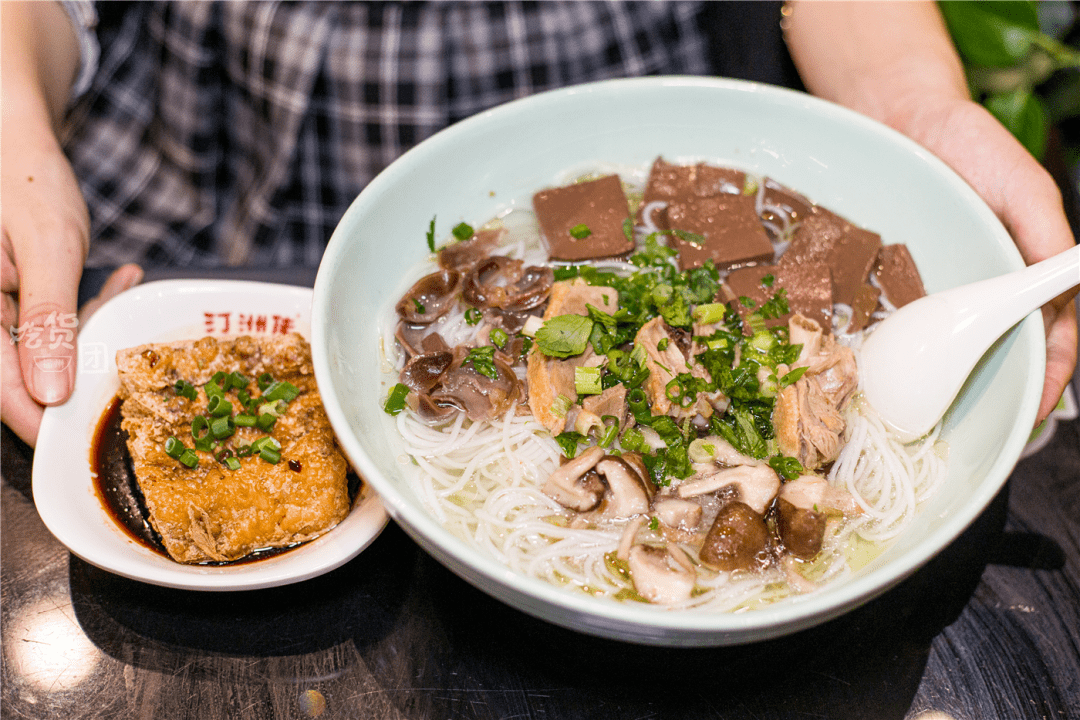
point(52, 379)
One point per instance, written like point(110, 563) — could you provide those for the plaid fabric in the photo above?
point(239, 132)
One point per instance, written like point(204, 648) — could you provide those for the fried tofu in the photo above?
point(211, 513)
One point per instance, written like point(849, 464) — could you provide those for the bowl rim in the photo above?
point(689, 628)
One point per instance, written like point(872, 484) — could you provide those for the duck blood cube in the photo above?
point(825, 237)
point(710, 217)
point(670, 183)
point(584, 221)
point(723, 228)
point(808, 289)
point(897, 276)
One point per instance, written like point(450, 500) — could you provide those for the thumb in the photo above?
point(123, 278)
point(47, 325)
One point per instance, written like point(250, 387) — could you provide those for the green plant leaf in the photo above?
point(1023, 114)
point(991, 34)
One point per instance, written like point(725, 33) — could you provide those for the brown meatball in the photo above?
point(737, 540)
point(801, 530)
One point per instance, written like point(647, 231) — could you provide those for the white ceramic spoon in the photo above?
point(917, 359)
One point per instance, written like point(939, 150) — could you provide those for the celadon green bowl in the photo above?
point(496, 160)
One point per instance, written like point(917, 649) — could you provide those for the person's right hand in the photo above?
point(45, 236)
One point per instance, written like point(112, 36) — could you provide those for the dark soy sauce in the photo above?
point(118, 490)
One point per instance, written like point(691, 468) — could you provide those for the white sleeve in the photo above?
point(84, 20)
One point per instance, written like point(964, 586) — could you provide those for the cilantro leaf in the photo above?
point(564, 335)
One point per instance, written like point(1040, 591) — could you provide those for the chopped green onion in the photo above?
point(223, 427)
point(243, 450)
point(580, 231)
point(236, 381)
point(281, 390)
point(561, 405)
point(270, 455)
point(200, 427)
point(708, 313)
point(174, 448)
point(264, 381)
point(277, 408)
point(611, 423)
point(232, 463)
point(245, 420)
point(473, 316)
point(462, 231)
point(189, 458)
point(213, 389)
point(498, 337)
point(431, 235)
point(395, 401)
point(265, 421)
point(185, 389)
point(264, 442)
point(483, 361)
point(792, 377)
point(763, 340)
point(219, 406)
point(205, 444)
point(419, 306)
point(587, 381)
point(222, 453)
point(768, 280)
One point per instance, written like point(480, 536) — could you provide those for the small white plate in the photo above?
point(63, 483)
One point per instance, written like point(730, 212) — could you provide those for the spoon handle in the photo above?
point(1012, 297)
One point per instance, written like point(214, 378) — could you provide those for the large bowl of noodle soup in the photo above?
point(492, 163)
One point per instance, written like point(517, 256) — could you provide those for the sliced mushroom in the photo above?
point(737, 540)
point(678, 514)
point(715, 449)
point(813, 492)
point(802, 531)
point(662, 575)
point(422, 372)
point(573, 485)
point(757, 485)
point(627, 494)
point(430, 297)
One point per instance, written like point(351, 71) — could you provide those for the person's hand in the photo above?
point(45, 231)
point(896, 63)
point(1022, 194)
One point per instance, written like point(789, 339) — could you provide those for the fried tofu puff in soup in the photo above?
point(646, 389)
